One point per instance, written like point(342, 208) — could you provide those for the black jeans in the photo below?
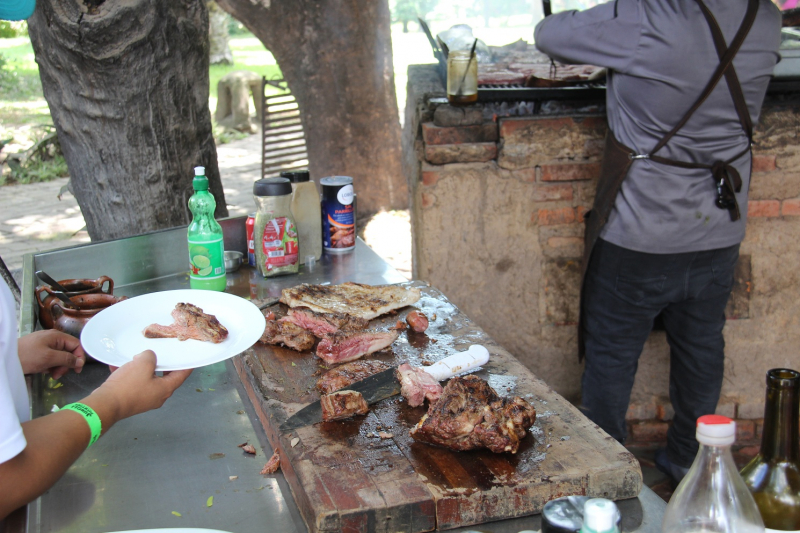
point(625, 291)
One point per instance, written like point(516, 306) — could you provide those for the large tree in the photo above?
point(336, 56)
point(127, 86)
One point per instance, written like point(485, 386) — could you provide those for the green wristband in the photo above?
point(95, 424)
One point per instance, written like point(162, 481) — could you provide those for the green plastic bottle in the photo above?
point(206, 247)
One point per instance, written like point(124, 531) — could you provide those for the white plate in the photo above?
point(114, 335)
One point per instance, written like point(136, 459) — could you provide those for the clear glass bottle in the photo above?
point(307, 213)
point(773, 476)
point(712, 497)
point(275, 233)
point(206, 246)
point(462, 77)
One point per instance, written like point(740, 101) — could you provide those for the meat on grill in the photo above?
point(190, 323)
point(342, 404)
point(345, 375)
point(416, 385)
point(286, 333)
point(321, 324)
point(417, 320)
point(356, 299)
point(471, 415)
point(344, 347)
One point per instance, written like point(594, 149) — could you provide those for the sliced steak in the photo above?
point(321, 324)
point(342, 404)
point(345, 375)
point(190, 323)
point(418, 321)
point(344, 347)
point(286, 333)
point(471, 415)
point(356, 299)
point(416, 385)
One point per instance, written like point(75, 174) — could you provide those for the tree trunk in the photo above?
point(218, 37)
point(336, 56)
point(127, 86)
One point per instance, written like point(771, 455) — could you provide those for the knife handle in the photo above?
point(461, 362)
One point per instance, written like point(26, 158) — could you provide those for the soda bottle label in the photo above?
point(279, 243)
point(206, 259)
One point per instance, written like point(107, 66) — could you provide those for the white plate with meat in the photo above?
point(227, 324)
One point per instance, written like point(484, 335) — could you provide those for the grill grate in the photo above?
point(500, 92)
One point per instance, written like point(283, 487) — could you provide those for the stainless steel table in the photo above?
point(180, 466)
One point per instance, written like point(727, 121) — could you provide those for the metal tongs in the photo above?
point(59, 292)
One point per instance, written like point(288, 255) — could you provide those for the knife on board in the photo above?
point(385, 385)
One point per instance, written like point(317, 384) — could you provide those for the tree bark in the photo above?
point(336, 56)
point(218, 36)
point(127, 86)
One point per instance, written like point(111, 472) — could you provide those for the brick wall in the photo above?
point(497, 209)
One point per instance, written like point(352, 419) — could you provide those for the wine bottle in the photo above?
point(773, 476)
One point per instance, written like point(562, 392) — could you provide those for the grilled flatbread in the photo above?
point(363, 301)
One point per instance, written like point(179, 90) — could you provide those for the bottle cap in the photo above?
point(716, 430)
point(563, 515)
point(600, 515)
point(296, 176)
point(272, 187)
point(200, 181)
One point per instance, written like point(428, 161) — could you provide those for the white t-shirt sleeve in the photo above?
point(14, 405)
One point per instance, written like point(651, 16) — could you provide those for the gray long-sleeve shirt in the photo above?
point(660, 56)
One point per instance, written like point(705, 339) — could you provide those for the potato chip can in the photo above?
point(338, 214)
point(251, 249)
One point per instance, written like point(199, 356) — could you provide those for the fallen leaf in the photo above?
point(210, 501)
point(212, 390)
point(176, 513)
point(249, 448)
point(293, 364)
point(217, 455)
point(231, 478)
point(295, 441)
point(198, 390)
point(272, 465)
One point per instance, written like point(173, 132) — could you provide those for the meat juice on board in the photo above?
point(275, 233)
point(206, 247)
point(338, 214)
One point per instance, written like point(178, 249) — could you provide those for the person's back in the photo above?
point(661, 55)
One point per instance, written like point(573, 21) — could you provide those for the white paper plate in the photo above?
point(114, 335)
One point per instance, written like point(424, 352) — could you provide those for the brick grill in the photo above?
point(498, 194)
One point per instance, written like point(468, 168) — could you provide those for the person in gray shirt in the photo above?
point(668, 240)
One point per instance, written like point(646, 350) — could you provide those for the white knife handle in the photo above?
point(448, 367)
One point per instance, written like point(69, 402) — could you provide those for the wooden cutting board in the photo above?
point(346, 478)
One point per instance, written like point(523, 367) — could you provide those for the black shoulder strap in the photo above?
point(725, 64)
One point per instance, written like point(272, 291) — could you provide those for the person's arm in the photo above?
point(606, 35)
point(56, 441)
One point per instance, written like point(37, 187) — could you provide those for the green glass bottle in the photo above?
point(206, 246)
point(773, 476)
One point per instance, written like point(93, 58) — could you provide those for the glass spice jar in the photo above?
point(275, 233)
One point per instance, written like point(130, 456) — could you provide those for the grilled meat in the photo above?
point(286, 333)
point(364, 301)
point(345, 375)
point(321, 324)
point(190, 323)
point(471, 415)
point(418, 321)
point(342, 404)
point(416, 385)
point(344, 347)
